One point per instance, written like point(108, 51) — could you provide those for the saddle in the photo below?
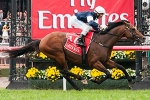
point(74, 48)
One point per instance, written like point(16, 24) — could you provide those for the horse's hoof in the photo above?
point(92, 79)
point(130, 85)
point(78, 89)
point(84, 81)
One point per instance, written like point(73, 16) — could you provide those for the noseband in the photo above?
point(132, 31)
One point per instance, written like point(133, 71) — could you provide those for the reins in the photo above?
point(101, 44)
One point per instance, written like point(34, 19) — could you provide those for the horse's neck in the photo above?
point(108, 39)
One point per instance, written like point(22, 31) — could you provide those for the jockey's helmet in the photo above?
point(99, 10)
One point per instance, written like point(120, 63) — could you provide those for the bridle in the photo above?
point(132, 31)
point(127, 28)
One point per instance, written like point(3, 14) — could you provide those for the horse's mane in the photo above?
point(112, 25)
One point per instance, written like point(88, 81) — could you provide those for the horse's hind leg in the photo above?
point(84, 81)
point(70, 81)
point(66, 74)
point(111, 64)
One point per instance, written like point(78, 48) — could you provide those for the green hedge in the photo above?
point(108, 84)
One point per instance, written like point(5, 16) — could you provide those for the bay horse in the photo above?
point(98, 55)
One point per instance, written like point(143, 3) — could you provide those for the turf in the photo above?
point(74, 95)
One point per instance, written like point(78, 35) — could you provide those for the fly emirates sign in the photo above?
point(53, 15)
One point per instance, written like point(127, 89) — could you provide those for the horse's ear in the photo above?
point(126, 22)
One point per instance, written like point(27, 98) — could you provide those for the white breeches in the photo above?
point(79, 24)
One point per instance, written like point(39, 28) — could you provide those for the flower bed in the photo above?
point(53, 74)
point(118, 55)
point(58, 84)
point(51, 78)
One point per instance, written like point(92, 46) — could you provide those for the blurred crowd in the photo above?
point(5, 25)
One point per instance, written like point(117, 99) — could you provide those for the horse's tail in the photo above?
point(27, 49)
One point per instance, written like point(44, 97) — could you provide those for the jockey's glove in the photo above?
point(103, 27)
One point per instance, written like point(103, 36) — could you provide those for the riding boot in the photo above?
point(80, 40)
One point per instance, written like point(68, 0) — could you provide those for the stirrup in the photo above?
point(80, 43)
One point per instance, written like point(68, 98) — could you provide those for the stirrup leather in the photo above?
point(80, 41)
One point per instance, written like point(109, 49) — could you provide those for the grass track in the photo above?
point(74, 95)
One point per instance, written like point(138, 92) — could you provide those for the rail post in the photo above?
point(138, 59)
point(11, 38)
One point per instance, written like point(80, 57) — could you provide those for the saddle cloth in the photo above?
point(72, 39)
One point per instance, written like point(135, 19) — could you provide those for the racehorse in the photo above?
point(98, 55)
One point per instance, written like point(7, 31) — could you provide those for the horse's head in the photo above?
point(132, 33)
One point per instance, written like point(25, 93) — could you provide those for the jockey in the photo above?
point(86, 21)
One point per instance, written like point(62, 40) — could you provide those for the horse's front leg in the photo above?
point(66, 72)
point(111, 64)
point(99, 66)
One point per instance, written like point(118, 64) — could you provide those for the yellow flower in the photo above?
point(32, 73)
point(117, 73)
point(96, 74)
point(112, 54)
point(52, 73)
point(127, 52)
point(122, 55)
point(43, 56)
point(76, 70)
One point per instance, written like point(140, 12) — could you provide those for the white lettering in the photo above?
point(104, 19)
point(113, 17)
point(76, 10)
point(72, 3)
point(73, 48)
point(82, 3)
point(91, 4)
point(60, 21)
point(75, 40)
point(122, 16)
point(70, 38)
point(41, 19)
